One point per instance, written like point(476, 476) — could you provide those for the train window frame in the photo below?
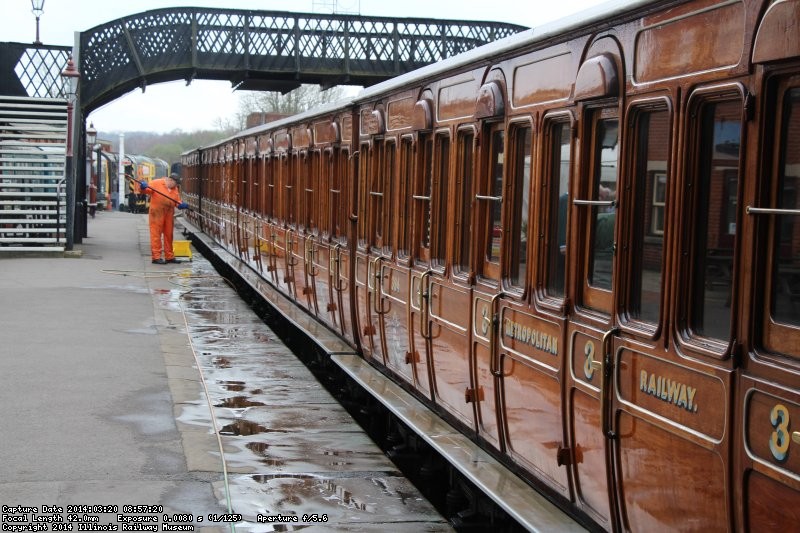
point(247, 184)
point(512, 258)
point(406, 167)
point(326, 205)
point(258, 184)
point(341, 156)
point(640, 177)
point(316, 184)
point(464, 234)
point(305, 197)
point(291, 188)
point(389, 178)
point(421, 194)
point(592, 296)
point(272, 165)
point(440, 196)
point(686, 305)
point(550, 205)
point(375, 196)
point(776, 338)
point(363, 161)
point(489, 270)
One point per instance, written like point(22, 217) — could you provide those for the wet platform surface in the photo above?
point(129, 383)
point(289, 447)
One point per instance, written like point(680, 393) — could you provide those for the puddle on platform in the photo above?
point(222, 362)
point(238, 402)
point(257, 447)
point(233, 386)
point(243, 427)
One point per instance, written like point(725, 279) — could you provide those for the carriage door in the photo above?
point(272, 173)
point(768, 444)
point(339, 269)
point(309, 210)
point(395, 276)
point(491, 196)
point(591, 326)
point(368, 257)
point(323, 259)
point(285, 214)
point(443, 298)
point(671, 393)
point(528, 347)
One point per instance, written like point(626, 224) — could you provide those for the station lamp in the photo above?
point(38, 9)
point(91, 135)
point(70, 76)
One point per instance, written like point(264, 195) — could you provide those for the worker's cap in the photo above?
point(176, 177)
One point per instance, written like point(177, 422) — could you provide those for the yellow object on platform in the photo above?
point(182, 248)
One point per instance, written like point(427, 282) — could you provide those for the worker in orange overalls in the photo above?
point(164, 197)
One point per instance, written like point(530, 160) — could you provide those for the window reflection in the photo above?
point(715, 226)
point(495, 221)
point(651, 197)
point(559, 187)
point(786, 254)
point(601, 255)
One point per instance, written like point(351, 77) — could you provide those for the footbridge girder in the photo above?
point(265, 50)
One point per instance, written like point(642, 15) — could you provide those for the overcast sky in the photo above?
point(169, 106)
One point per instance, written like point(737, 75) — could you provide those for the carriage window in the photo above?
point(785, 290)
point(295, 190)
point(494, 235)
point(338, 195)
point(322, 175)
point(247, 177)
point(307, 194)
point(365, 157)
point(652, 155)
point(388, 174)
point(288, 176)
point(258, 167)
point(272, 170)
point(715, 224)
point(376, 197)
point(422, 197)
point(560, 160)
point(521, 181)
point(604, 215)
point(439, 191)
point(251, 177)
point(406, 175)
point(464, 208)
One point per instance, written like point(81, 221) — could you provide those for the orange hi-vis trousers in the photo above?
point(162, 211)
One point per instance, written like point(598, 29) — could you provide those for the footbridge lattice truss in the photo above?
point(265, 50)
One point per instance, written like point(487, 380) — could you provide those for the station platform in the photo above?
point(138, 390)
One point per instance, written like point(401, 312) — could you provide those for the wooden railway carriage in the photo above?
point(581, 245)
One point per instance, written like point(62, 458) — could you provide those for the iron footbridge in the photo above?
point(266, 50)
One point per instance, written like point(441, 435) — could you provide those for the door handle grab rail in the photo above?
point(375, 289)
point(767, 211)
point(494, 326)
point(308, 255)
point(605, 367)
point(423, 295)
point(290, 260)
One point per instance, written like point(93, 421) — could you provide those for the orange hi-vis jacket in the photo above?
point(161, 212)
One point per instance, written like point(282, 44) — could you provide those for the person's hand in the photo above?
point(183, 205)
point(143, 185)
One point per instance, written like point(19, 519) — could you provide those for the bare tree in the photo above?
point(301, 99)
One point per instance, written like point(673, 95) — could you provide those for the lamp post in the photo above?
point(38, 9)
point(70, 77)
point(91, 137)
